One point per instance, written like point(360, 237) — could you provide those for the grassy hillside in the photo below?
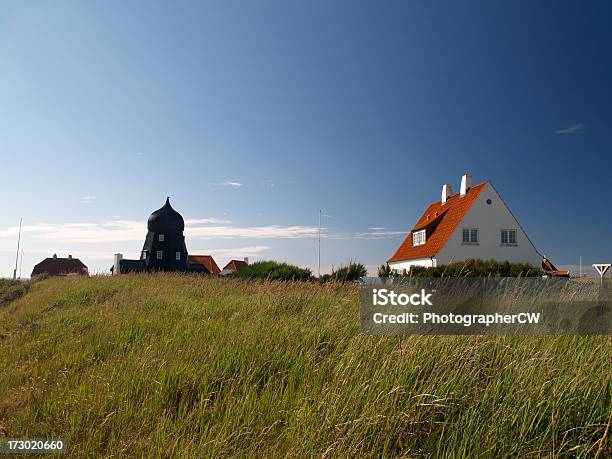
point(175, 365)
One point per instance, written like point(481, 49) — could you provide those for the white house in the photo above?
point(474, 223)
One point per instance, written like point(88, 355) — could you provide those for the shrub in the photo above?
point(351, 273)
point(477, 268)
point(384, 270)
point(11, 290)
point(273, 270)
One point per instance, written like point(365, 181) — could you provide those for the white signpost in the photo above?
point(602, 268)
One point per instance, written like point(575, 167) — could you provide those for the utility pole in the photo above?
point(17, 257)
point(319, 251)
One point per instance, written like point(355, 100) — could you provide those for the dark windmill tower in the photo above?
point(164, 248)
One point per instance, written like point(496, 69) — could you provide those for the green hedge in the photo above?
point(350, 273)
point(478, 268)
point(273, 270)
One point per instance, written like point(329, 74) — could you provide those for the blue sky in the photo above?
point(253, 115)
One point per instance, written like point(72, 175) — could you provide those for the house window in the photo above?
point(469, 236)
point(160, 254)
point(161, 238)
point(178, 255)
point(508, 237)
point(144, 254)
point(418, 237)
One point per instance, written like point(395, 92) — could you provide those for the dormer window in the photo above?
point(418, 237)
point(160, 254)
point(178, 256)
point(144, 254)
point(161, 238)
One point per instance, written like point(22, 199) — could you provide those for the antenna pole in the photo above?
point(17, 257)
point(319, 251)
point(580, 266)
point(20, 263)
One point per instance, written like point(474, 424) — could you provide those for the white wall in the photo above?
point(490, 219)
point(407, 264)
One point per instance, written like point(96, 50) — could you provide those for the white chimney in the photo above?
point(118, 258)
point(246, 260)
point(466, 184)
point(447, 191)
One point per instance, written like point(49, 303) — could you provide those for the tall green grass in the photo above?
point(177, 365)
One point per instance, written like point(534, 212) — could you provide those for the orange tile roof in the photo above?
point(236, 264)
point(552, 270)
point(207, 261)
point(439, 220)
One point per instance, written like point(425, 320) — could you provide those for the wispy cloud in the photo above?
point(125, 230)
point(371, 233)
point(115, 231)
point(205, 221)
point(228, 184)
point(88, 199)
point(573, 129)
point(255, 232)
point(235, 252)
point(378, 233)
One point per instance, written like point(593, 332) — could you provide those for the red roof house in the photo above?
point(60, 267)
point(234, 265)
point(205, 260)
point(474, 223)
point(551, 270)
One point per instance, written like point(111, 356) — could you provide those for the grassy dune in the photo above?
point(175, 365)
